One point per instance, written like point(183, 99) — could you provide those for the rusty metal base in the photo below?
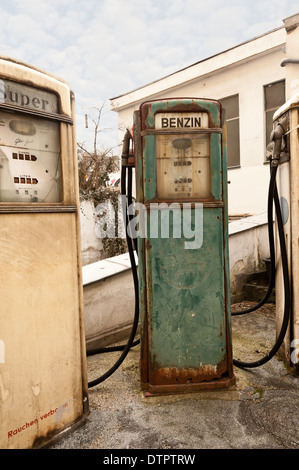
point(224, 383)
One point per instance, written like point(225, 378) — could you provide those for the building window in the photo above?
point(231, 106)
point(274, 94)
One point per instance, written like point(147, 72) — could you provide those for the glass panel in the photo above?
point(233, 143)
point(30, 166)
point(231, 106)
point(274, 95)
point(183, 166)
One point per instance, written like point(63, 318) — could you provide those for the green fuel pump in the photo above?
point(184, 297)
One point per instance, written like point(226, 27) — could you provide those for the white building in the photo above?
point(252, 80)
point(251, 84)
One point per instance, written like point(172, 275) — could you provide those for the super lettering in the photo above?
point(21, 99)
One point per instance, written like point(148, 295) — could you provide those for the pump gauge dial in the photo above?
point(183, 166)
point(30, 167)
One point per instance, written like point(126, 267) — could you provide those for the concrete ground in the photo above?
point(260, 412)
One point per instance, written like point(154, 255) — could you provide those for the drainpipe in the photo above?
point(284, 62)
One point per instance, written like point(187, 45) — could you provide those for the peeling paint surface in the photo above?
point(4, 391)
point(187, 302)
point(35, 390)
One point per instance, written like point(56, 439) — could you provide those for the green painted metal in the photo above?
point(186, 321)
point(184, 293)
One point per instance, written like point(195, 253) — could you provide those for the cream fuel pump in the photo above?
point(43, 377)
point(178, 149)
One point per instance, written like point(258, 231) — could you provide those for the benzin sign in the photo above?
point(27, 97)
point(185, 121)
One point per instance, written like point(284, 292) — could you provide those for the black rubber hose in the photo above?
point(287, 294)
point(272, 196)
point(129, 344)
point(275, 137)
point(108, 349)
point(130, 199)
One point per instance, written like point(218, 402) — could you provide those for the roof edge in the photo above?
point(198, 62)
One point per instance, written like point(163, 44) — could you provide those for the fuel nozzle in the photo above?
point(276, 137)
point(126, 156)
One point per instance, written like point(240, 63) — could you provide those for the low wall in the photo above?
point(248, 247)
point(109, 301)
point(91, 245)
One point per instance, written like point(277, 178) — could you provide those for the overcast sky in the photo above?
point(105, 48)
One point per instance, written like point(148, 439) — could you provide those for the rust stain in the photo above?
point(174, 375)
